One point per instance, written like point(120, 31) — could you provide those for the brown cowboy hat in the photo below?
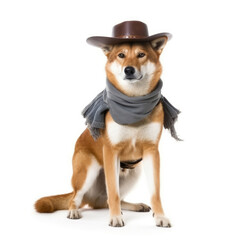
point(125, 32)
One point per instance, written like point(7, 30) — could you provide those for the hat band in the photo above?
point(131, 36)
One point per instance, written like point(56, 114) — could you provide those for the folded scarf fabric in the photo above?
point(127, 110)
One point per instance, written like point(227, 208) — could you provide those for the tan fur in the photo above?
point(106, 153)
point(53, 203)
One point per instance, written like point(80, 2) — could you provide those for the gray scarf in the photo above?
point(127, 110)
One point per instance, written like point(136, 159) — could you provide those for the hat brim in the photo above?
point(101, 42)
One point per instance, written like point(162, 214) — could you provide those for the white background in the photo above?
point(48, 74)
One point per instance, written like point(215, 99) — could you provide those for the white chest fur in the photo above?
point(119, 133)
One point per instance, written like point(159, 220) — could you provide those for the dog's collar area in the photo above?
point(129, 164)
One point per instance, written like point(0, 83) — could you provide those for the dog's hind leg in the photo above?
point(136, 207)
point(85, 170)
point(128, 178)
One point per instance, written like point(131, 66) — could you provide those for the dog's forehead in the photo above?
point(134, 46)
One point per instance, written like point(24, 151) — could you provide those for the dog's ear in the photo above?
point(159, 43)
point(107, 49)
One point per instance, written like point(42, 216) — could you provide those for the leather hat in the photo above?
point(125, 32)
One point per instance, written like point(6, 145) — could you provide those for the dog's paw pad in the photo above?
point(74, 214)
point(116, 221)
point(162, 221)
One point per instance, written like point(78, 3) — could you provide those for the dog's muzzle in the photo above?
point(130, 73)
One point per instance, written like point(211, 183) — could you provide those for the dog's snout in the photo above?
point(129, 71)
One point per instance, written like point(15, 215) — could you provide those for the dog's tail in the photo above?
point(53, 203)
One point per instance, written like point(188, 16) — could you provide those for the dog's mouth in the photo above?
point(133, 77)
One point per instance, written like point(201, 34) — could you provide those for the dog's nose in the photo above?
point(129, 71)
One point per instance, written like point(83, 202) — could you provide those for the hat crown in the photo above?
point(130, 29)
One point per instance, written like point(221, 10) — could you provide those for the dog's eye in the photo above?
point(121, 55)
point(141, 55)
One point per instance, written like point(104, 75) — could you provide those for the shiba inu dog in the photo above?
point(106, 168)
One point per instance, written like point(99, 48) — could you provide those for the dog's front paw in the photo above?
point(116, 221)
point(74, 214)
point(162, 221)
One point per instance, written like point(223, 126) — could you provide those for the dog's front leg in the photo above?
point(111, 169)
point(151, 161)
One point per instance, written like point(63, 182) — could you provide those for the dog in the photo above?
point(106, 168)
